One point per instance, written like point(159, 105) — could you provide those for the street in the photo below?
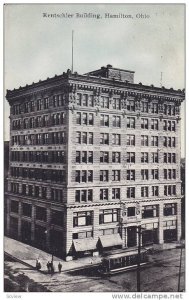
point(161, 275)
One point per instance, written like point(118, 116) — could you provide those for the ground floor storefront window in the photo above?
point(169, 235)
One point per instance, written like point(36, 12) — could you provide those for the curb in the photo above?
point(44, 272)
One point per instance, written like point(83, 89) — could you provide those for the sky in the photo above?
point(149, 40)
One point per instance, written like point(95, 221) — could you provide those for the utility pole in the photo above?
point(181, 247)
point(138, 262)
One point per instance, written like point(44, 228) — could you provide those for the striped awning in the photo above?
point(110, 240)
point(82, 245)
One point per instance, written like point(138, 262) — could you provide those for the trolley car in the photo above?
point(121, 261)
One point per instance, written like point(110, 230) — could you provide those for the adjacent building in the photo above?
point(92, 157)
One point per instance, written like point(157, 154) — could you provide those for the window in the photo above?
point(85, 100)
point(104, 139)
point(84, 138)
point(90, 138)
point(104, 102)
point(169, 173)
point(169, 158)
point(130, 174)
point(144, 191)
point(90, 156)
point(130, 140)
point(154, 124)
point(131, 192)
point(154, 108)
point(58, 100)
point(26, 123)
point(116, 121)
point(169, 190)
point(130, 157)
point(45, 120)
point(131, 211)
point(32, 122)
point(78, 137)
point(104, 175)
point(170, 209)
point(91, 119)
point(26, 107)
point(116, 175)
point(38, 139)
point(38, 122)
point(84, 176)
point(168, 109)
point(15, 187)
point(84, 118)
point(83, 195)
point(14, 206)
point(108, 216)
point(169, 125)
point(58, 119)
point(39, 104)
point(130, 105)
point(78, 99)
point(104, 157)
point(144, 140)
point(78, 118)
point(130, 122)
point(46, 103)
point(91, 101)
point(116, 104)
point(46, 138)
point(144, 174)
point(155, 158)
point(116, 139)
point(116, 157)
point(149, 211)
point(56, 195)
point(41, 213)
point(144, 123)
point(32, 106)
point(144, 107)
point(116, 193)
point(104, 120)
point(155, 174)
point(103, 194)
point(82, 235)
point(144, 157)
point(26, 209)
point(44, 192)
point(83, 218)
point(57, 217)
point(155, 191)
point(154, 141)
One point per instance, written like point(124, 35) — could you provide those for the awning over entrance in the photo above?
point(110, 240)
point(84, 245)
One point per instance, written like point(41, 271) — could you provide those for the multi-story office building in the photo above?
point(92, 157)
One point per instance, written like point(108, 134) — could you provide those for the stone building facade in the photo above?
point(92, 157)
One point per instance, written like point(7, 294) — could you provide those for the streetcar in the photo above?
point(117, 262)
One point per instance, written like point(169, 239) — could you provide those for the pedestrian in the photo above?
point(59, 267)
point(48, 267)
point(38, 264)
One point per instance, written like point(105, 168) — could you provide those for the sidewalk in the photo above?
point(28, 255)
